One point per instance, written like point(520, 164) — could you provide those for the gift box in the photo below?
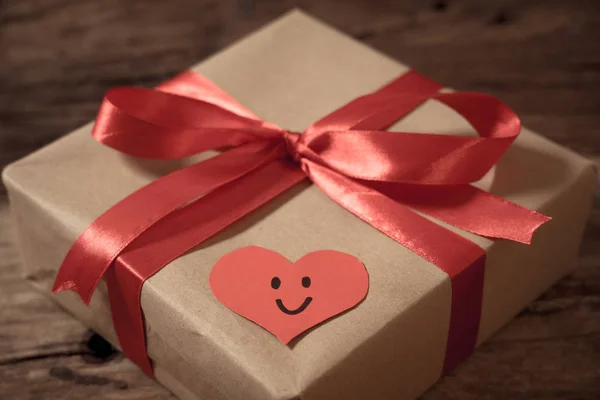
point(393, 344)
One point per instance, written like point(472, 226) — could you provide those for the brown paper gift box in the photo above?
point(392, 345)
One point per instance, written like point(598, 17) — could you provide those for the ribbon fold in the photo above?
point(382, 177)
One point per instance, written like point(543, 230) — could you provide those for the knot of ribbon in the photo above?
point(382, 177)
point(292, 143)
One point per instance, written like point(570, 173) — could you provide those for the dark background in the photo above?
point(58, 57)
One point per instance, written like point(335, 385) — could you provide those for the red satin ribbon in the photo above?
point(379, 176)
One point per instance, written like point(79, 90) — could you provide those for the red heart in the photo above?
point(286, 298)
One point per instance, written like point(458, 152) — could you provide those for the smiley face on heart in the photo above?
point(288, 298)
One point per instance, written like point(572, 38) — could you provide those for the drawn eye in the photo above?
point(276, 282)
point(306, 281)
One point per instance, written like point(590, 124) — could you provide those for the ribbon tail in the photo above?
point(461, 259)
point(100, 244)
point(178, 233)
point(469, 208)
point(438, 245)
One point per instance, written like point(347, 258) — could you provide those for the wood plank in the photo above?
point(47, 354)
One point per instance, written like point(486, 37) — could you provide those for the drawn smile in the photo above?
point(298, 310)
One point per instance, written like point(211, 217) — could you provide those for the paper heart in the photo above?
point(288, 298)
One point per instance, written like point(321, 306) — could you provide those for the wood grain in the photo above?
point(58, 57)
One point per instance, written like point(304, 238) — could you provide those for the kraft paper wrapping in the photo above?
point(293, 72)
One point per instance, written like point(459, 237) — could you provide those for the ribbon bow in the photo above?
point(382, 177)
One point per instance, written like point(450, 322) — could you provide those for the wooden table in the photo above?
point(58, 57)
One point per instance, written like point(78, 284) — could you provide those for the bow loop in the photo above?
point(161, 125)
point(417, 158)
